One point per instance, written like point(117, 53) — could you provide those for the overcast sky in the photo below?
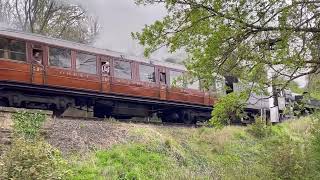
point(118, 19)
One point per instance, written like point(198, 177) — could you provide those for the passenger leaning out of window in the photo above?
point(37, 56)
point(105, 68)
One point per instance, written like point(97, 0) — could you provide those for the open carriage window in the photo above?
point(60, 57)
point(37, 53)
point(12, 49)
point(147, 73)
point(105, 68)
point(86, 63)
point(163, 78)
point(122, 69)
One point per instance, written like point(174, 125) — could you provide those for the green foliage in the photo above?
point(243, 38)
point(315, 95)
point(289, 159)
point(284, 152)
point(287, 151)
point(259, 128)
point(316, 140)
point(29, 156)
point(131, 161)
point(314, 86)
point(32, 160)
point(228, 107)
point(28, 124)
point(294, 87)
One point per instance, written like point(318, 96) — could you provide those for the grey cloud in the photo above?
point(118, 19)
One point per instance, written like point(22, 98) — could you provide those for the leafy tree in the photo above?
point(243, 38)
point(49, 17)
point(229, 108)
point(294, 87)
point(314, 86)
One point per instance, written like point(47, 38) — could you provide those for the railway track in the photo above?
point(139, 121)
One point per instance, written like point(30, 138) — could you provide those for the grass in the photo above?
point(315, 95)
point(290, 150)
point(206, 153)
point(125, 162)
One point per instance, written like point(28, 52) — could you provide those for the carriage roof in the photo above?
point(84, 47)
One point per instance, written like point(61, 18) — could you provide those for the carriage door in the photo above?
point(37, 64)
point(163, 79)
point(105, 69)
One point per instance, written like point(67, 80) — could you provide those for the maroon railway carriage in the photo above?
point(46, 73)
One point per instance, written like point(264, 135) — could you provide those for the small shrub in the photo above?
point(82, 126)
point(289, 160)
point(168, 143)
point(228, 108)
point(28, 124)
point(32, 160)
point(259, 129)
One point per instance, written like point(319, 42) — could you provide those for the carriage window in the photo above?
point(147, 73)
point(60, 57)
point(37, 55)
point(175, 77)
point(122, 69)
point(86, 63)
point(163, 78)
point(105, 68)
point(12, 49)
point(194, 85)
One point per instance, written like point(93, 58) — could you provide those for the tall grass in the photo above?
point(289, 150)
point(284, 151)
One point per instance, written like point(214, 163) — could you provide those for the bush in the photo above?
point(289, 159)
point(29, 156)
point(227, 109)
point(259, 128)
point(32, 160)
point(27, 124)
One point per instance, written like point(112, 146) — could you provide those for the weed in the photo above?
point(259, 128)
point(82, 126)
point(32, 160)
point(27, 124)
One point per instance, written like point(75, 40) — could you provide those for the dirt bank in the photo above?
point(81, 136)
